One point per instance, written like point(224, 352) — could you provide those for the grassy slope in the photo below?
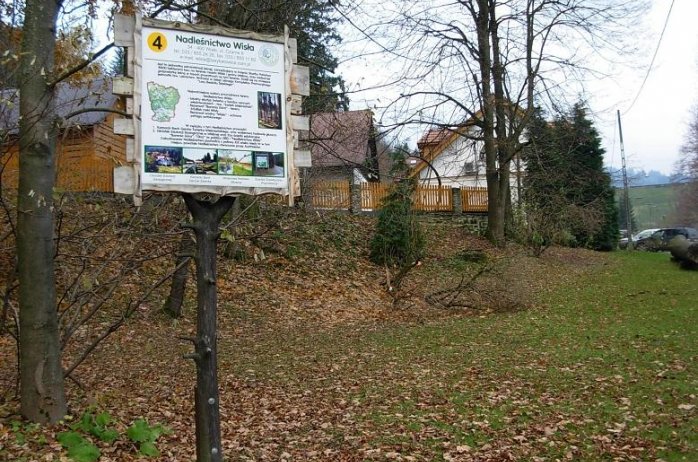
point(653, 205)
point(315, 364)
point(598, 373)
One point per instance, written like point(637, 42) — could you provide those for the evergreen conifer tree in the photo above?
point(398, 240)
point(312, 23)
point(566, 185)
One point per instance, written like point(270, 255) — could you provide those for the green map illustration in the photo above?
point(163, 101)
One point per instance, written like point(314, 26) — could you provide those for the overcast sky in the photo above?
point(653, 127)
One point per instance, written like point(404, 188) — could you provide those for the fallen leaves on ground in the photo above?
point(315, 364)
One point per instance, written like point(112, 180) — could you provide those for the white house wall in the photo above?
point(450, 164)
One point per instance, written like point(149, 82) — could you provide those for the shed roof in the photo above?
point(69, 98)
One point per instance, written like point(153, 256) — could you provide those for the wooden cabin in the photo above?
point(87, 148)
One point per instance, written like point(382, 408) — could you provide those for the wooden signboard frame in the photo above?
point(127, 179)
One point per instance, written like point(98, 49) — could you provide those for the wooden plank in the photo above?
point(300, 80)
point(122, 86)
point(212, 29)
point(130, 150)
point(293, 49)
point(124, 26)
point(302, 158)
point(130, 61)
point(129, 106)
point(124, 127)
point(124, 180)
point(300, 122)
point(296, 104)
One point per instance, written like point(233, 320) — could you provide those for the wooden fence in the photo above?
point(433, 199)
point(337, 195)
point(473, 199)
point(73, 173)
point(372, 194)
point(331, 195)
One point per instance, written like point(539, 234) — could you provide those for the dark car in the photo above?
point(659, 240)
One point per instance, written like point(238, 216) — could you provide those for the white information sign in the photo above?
point(213, 112)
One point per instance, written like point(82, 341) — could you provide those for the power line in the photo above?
point(656, 50)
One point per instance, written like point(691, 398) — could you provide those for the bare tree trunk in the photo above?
point(504, 147)
point(174, 301)
point(207, 217)
point(495, 217)
point(41, 375)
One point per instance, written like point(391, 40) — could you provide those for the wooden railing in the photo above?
point(433, 199)
point(372, 194)
point(474, 199)
point(337, 195)
point(331, 195)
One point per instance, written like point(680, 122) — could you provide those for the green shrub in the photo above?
point(145, 436)
point(398, 240)
point(81, 449)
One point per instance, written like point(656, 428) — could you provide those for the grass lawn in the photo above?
point(603, 369)
point(242, 169)
point(601, 366)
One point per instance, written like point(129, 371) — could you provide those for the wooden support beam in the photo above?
point(124, 26)
point(300, 122)
point(296, 104)
point(124, 180)
point(301, 158)
point(293, 49)
point(122, 86)
point(300, 80)
point(124, 127)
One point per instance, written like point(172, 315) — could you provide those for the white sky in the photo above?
point(653, 129)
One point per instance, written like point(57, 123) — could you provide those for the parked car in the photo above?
point(644, 234)
point(659, 240)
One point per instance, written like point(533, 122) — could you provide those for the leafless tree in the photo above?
point(686, 175)
point(485, 63)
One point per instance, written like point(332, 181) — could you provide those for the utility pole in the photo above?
point(626, 194)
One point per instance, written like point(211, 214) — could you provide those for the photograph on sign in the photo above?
point(213, 110)
point(235, 162)
point(163, 159)
point(269, 105)
point(269, 163)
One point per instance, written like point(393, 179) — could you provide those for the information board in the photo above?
point(213, 112)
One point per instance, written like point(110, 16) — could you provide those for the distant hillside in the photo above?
point(653, 206)
point(639, 177)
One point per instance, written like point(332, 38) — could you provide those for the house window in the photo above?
point(469, 167)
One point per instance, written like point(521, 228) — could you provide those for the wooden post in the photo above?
point(456, 201)
point(206, 221)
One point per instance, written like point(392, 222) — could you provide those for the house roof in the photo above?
point(433, 136)
point(340, 139)
point(437, 140)
point(69, 97)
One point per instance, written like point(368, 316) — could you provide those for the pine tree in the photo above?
point(312, 23)
point(568, 194)
point(398, 240)
point(596, 191)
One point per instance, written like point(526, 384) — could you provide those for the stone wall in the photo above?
point(473, 223)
